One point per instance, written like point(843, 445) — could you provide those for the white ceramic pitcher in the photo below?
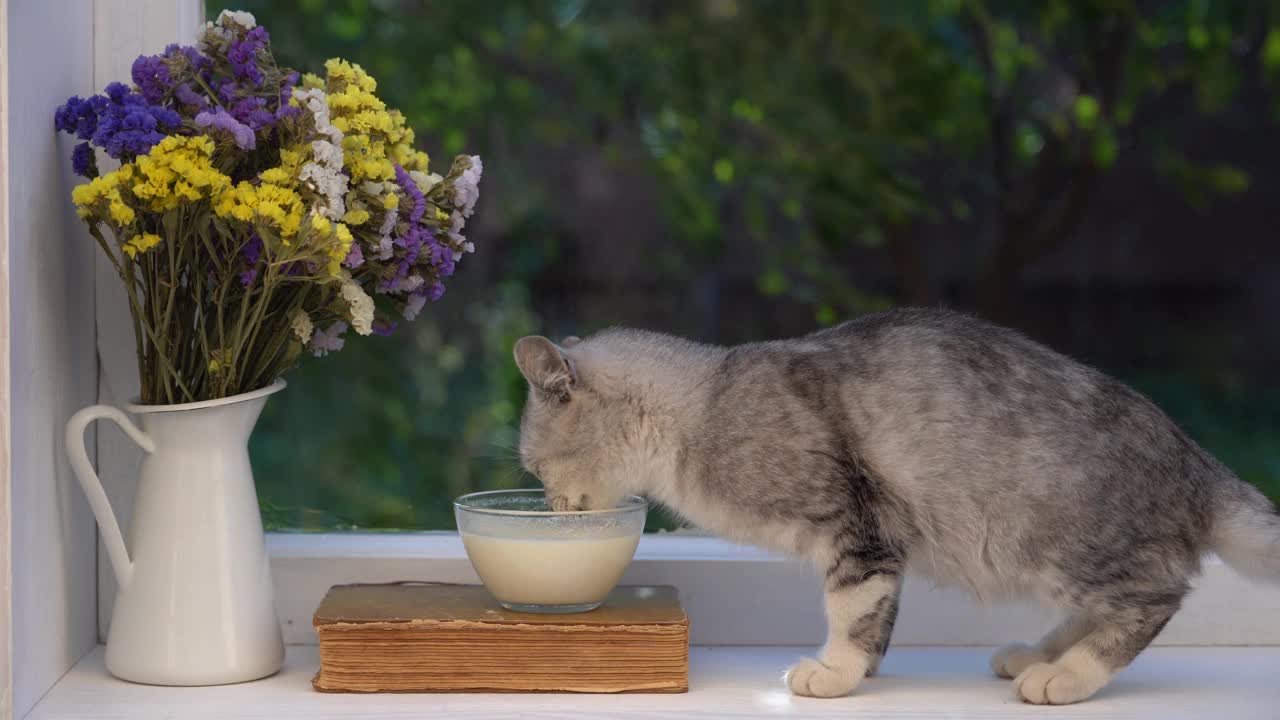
point(195, 604)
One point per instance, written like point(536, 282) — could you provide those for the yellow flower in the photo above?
point(339, 250)
point(140, 244)
point(178, 170)
point(375, 138)
point(102, 197)
point(268, 203)
point(277, 176)
point(391, 201)
point(356, 216)
point(320, 224)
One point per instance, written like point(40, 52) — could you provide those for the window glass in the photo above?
point(734, 170)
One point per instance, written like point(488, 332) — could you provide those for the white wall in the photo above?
point(125, 29)
point(53, 365)
point(6, 647)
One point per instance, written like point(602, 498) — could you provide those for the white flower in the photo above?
point(327, 341)
point(467, 187)
point(411, 283)
point(242, 18)
point(302, 326)
point(218, 35)
point(324, 171)
point(385, 247)
point(361, 306)
point(413, 306)
point(455, 228)
point(424, 181)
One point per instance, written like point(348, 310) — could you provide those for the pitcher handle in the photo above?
point(92, 485)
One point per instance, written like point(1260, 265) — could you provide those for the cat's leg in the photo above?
point(1088, 665)
point(885, 631)
point(1009, 661)
point(860, 612)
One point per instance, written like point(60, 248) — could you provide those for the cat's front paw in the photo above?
point(1058, 683)
point(1010, 660)
point(812, 678)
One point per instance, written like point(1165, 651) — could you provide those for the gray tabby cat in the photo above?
point(919, 439)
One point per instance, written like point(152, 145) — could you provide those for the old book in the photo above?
point(457, 638)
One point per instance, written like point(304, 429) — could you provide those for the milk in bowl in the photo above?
point(536, 560)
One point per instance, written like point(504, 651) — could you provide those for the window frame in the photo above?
point(737, 595)
point(734, 595)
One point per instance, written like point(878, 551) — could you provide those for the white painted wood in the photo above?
point(1164, 684)
point(125, 29)
point(6, 584)
point(52, 368)
point(741, 596)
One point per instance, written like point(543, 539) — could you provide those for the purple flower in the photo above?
point(154, 74)
point(227, 90)
point(284, 109)
point(324, 342)
point(151, 74)
point(243, 55)
point(79, 116)
point(83, 161)
point(125, 123)
point(384, 328)
point(442, 258)
point(413, 305)
point(355, 258)
point(419, 205)
point(220, 119)
point(251, 251)
point(175, 53)
point(185, 95)
point(252, 111)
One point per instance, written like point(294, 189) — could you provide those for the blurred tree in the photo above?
point(814, 126)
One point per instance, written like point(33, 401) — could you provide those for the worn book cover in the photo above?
point(457, 638)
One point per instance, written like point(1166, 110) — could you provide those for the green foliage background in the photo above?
point(805, 130)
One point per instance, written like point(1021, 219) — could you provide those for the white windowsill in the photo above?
point(742, 682)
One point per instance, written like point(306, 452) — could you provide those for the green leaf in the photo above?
point(825, 315)
point(1271, 50)
point(747, 110)
point(723, 170)
point(1198, 37)
point(1227, 180)
point(1029, 141)
point(1086, 110)
point(1105, 149)
point(772, 283)
point(791, 208)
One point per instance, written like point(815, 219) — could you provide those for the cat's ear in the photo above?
point(544, 365)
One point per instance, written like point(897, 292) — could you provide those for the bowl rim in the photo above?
point(634, 503)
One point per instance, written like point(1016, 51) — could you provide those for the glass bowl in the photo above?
point(534, 559)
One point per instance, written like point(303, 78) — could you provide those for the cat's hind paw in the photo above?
point(1009, 661)
point(812, 678)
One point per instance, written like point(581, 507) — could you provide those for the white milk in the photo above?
point(550, 571)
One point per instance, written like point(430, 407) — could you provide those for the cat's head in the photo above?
point(571, 433)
